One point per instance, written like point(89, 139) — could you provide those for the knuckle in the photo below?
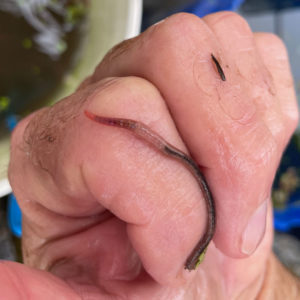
point(240, 23)
point(234, 16)
point(274, 40)
point(181, 24)
point(179, 20)
point(17, 136)
point(271, 41)
point(18, 147)
point(231, 19)
point(173, 32)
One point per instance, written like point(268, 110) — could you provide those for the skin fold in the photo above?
point(107, 217)
point(150, 137)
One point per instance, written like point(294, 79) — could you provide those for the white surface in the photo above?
point(135, 9)
point(5, 188)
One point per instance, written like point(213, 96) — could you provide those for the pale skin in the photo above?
point(105, 216)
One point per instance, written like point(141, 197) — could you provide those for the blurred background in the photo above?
point(49, 46)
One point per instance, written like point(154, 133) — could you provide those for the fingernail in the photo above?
point(255, 229)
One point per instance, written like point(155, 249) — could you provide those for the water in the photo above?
point(39, 40)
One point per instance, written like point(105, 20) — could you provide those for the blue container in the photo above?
point(14, 216)
point(202, 7)
point(287, 219)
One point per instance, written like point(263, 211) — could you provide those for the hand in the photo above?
point(106, 216)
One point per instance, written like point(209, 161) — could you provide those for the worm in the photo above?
point(219, 68)
point(143, 132)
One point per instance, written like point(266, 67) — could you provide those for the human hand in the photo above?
point(109, 217)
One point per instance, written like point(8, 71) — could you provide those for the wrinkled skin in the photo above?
point(106, 216)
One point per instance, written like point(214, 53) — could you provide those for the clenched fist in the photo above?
point(107, 216)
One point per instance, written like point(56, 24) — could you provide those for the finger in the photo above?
point(229, 138)
point(76, 170)
point(275, 57)
point(20, 282)
point(250, 72)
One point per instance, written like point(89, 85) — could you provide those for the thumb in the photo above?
point(21, 282)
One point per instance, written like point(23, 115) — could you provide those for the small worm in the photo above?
point(145, 133)
point(219, 68)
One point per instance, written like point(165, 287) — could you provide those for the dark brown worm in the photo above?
point(144, 132)
point(219, 68)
